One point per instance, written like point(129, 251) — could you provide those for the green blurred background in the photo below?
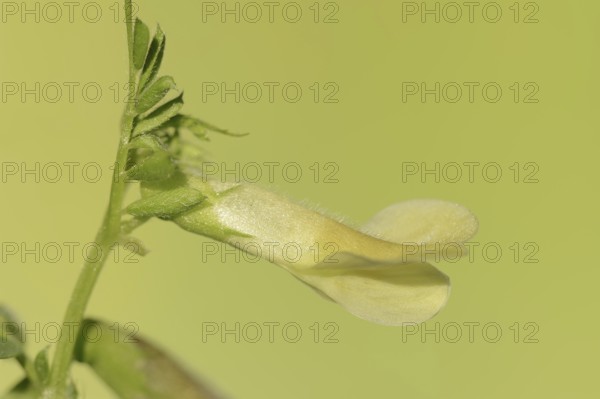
point(372, 134)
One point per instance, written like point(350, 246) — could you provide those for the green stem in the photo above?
point(106, 238)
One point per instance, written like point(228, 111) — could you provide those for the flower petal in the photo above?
point(423, 221)
point(388, 294)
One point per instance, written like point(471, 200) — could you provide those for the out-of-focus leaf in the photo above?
point(166, 204)
point(9, 347)
point(159, 116)
point(154, 94)
point(23, 390)
point(140, 44)
point(153, 60)
point(11, 344)
point(134, 368)
point(41, 365)
point(10, 323)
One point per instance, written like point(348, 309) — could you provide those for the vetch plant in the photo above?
point(375, 272)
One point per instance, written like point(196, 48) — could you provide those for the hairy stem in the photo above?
point(106, 238)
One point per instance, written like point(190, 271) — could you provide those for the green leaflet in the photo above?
point(140, 43)
point(200, 128)
point(166, 204)
point(181, 121)
point(153, 59)
point(134, 368)
point(154, 94)
point(198, 124)
point(197, 127)
point(199, 219)
point(159, 116)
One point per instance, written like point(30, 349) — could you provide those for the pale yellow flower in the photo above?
point(368, 271)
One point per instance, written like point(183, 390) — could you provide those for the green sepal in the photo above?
point(202, 220)
point(157, 166)
point(146, 141)
point(166, 204)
